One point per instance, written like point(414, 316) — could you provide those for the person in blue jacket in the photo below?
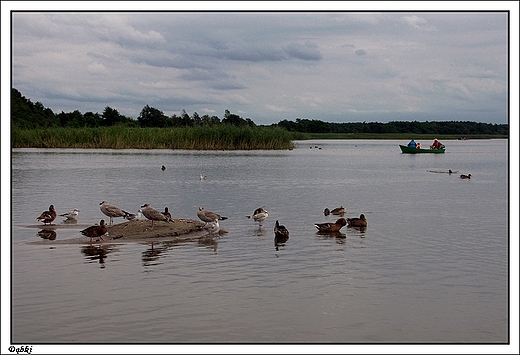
point(411, 144)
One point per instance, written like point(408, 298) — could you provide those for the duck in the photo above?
point(153, 214)
point(112, 211)
point(208, 216)
point(167, 213)
point(259, 215)
point(71, 214)
point(331, 227)
point(357, 222)
point(326, 211)
point(95, 231)
point(163, 168)
point(48, 216)
point(281, 234)
point(465, 176)
point(338, 211)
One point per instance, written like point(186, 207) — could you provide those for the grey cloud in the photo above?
point(360, 52)
point(303, 51)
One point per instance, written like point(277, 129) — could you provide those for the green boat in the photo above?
point(406, 149)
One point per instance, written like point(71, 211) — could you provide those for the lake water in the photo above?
point(431, 267)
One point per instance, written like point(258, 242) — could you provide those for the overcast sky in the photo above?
point(335, 67)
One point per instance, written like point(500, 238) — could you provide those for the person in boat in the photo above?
point(418, 145)
point(411, 144)
point(436, 144)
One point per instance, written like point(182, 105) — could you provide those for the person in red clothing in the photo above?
point(436, 144)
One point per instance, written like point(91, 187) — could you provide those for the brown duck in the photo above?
point(357, 222)
point(95, 231)
point(331, 227)
point(281, 234)
point(48, 216)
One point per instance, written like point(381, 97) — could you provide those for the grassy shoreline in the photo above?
point(191, 138)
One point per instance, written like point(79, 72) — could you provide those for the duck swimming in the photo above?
point(331, 227)
point(357, 222)
point(48, 216)
point(281, 234)
point(465, 176)
point(338, 211)
point(95, 231)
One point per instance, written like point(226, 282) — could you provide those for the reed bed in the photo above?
point(223, 137)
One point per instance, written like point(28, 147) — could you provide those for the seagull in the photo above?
point(357, 222)
point(203, 177)
point(133, 217)
point(259, 215)
point(95, 231)
point(112, 211)
point(331, 227)
point(281, 234)
point(211, 227)
point(48, 216)
point(208, 216)
point(71, 214)
point(152, 214)
point(167, 213)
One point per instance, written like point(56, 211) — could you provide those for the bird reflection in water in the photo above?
point(209, 242)
point(96, 253)
point(339, 237)
point(47, 234)
point(151, 255)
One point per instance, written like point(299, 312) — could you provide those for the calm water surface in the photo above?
point(432, 266)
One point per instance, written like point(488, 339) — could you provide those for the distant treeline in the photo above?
point(28, 115)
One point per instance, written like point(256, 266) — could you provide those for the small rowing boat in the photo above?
point(406, 149)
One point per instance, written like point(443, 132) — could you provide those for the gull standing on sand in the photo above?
point(71, 214)
point(153, 214)
point(111, 211)
point(259, 215)
point(208, 216)
point(48, 216)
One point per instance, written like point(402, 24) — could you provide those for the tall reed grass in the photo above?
point(221, 137)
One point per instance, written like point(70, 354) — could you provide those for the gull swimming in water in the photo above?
point(95, 231)
point(48, 216)
point(71, 214)
point(259, 215)
point(153, 214)
point(111, 211)
point(208, 216)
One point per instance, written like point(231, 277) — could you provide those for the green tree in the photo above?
point(152, 117)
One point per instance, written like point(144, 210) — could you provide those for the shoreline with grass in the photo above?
point(193, 138)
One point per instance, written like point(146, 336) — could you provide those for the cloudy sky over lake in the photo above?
point(332, 66)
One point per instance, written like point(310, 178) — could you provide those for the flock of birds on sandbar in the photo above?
point(211, 220)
